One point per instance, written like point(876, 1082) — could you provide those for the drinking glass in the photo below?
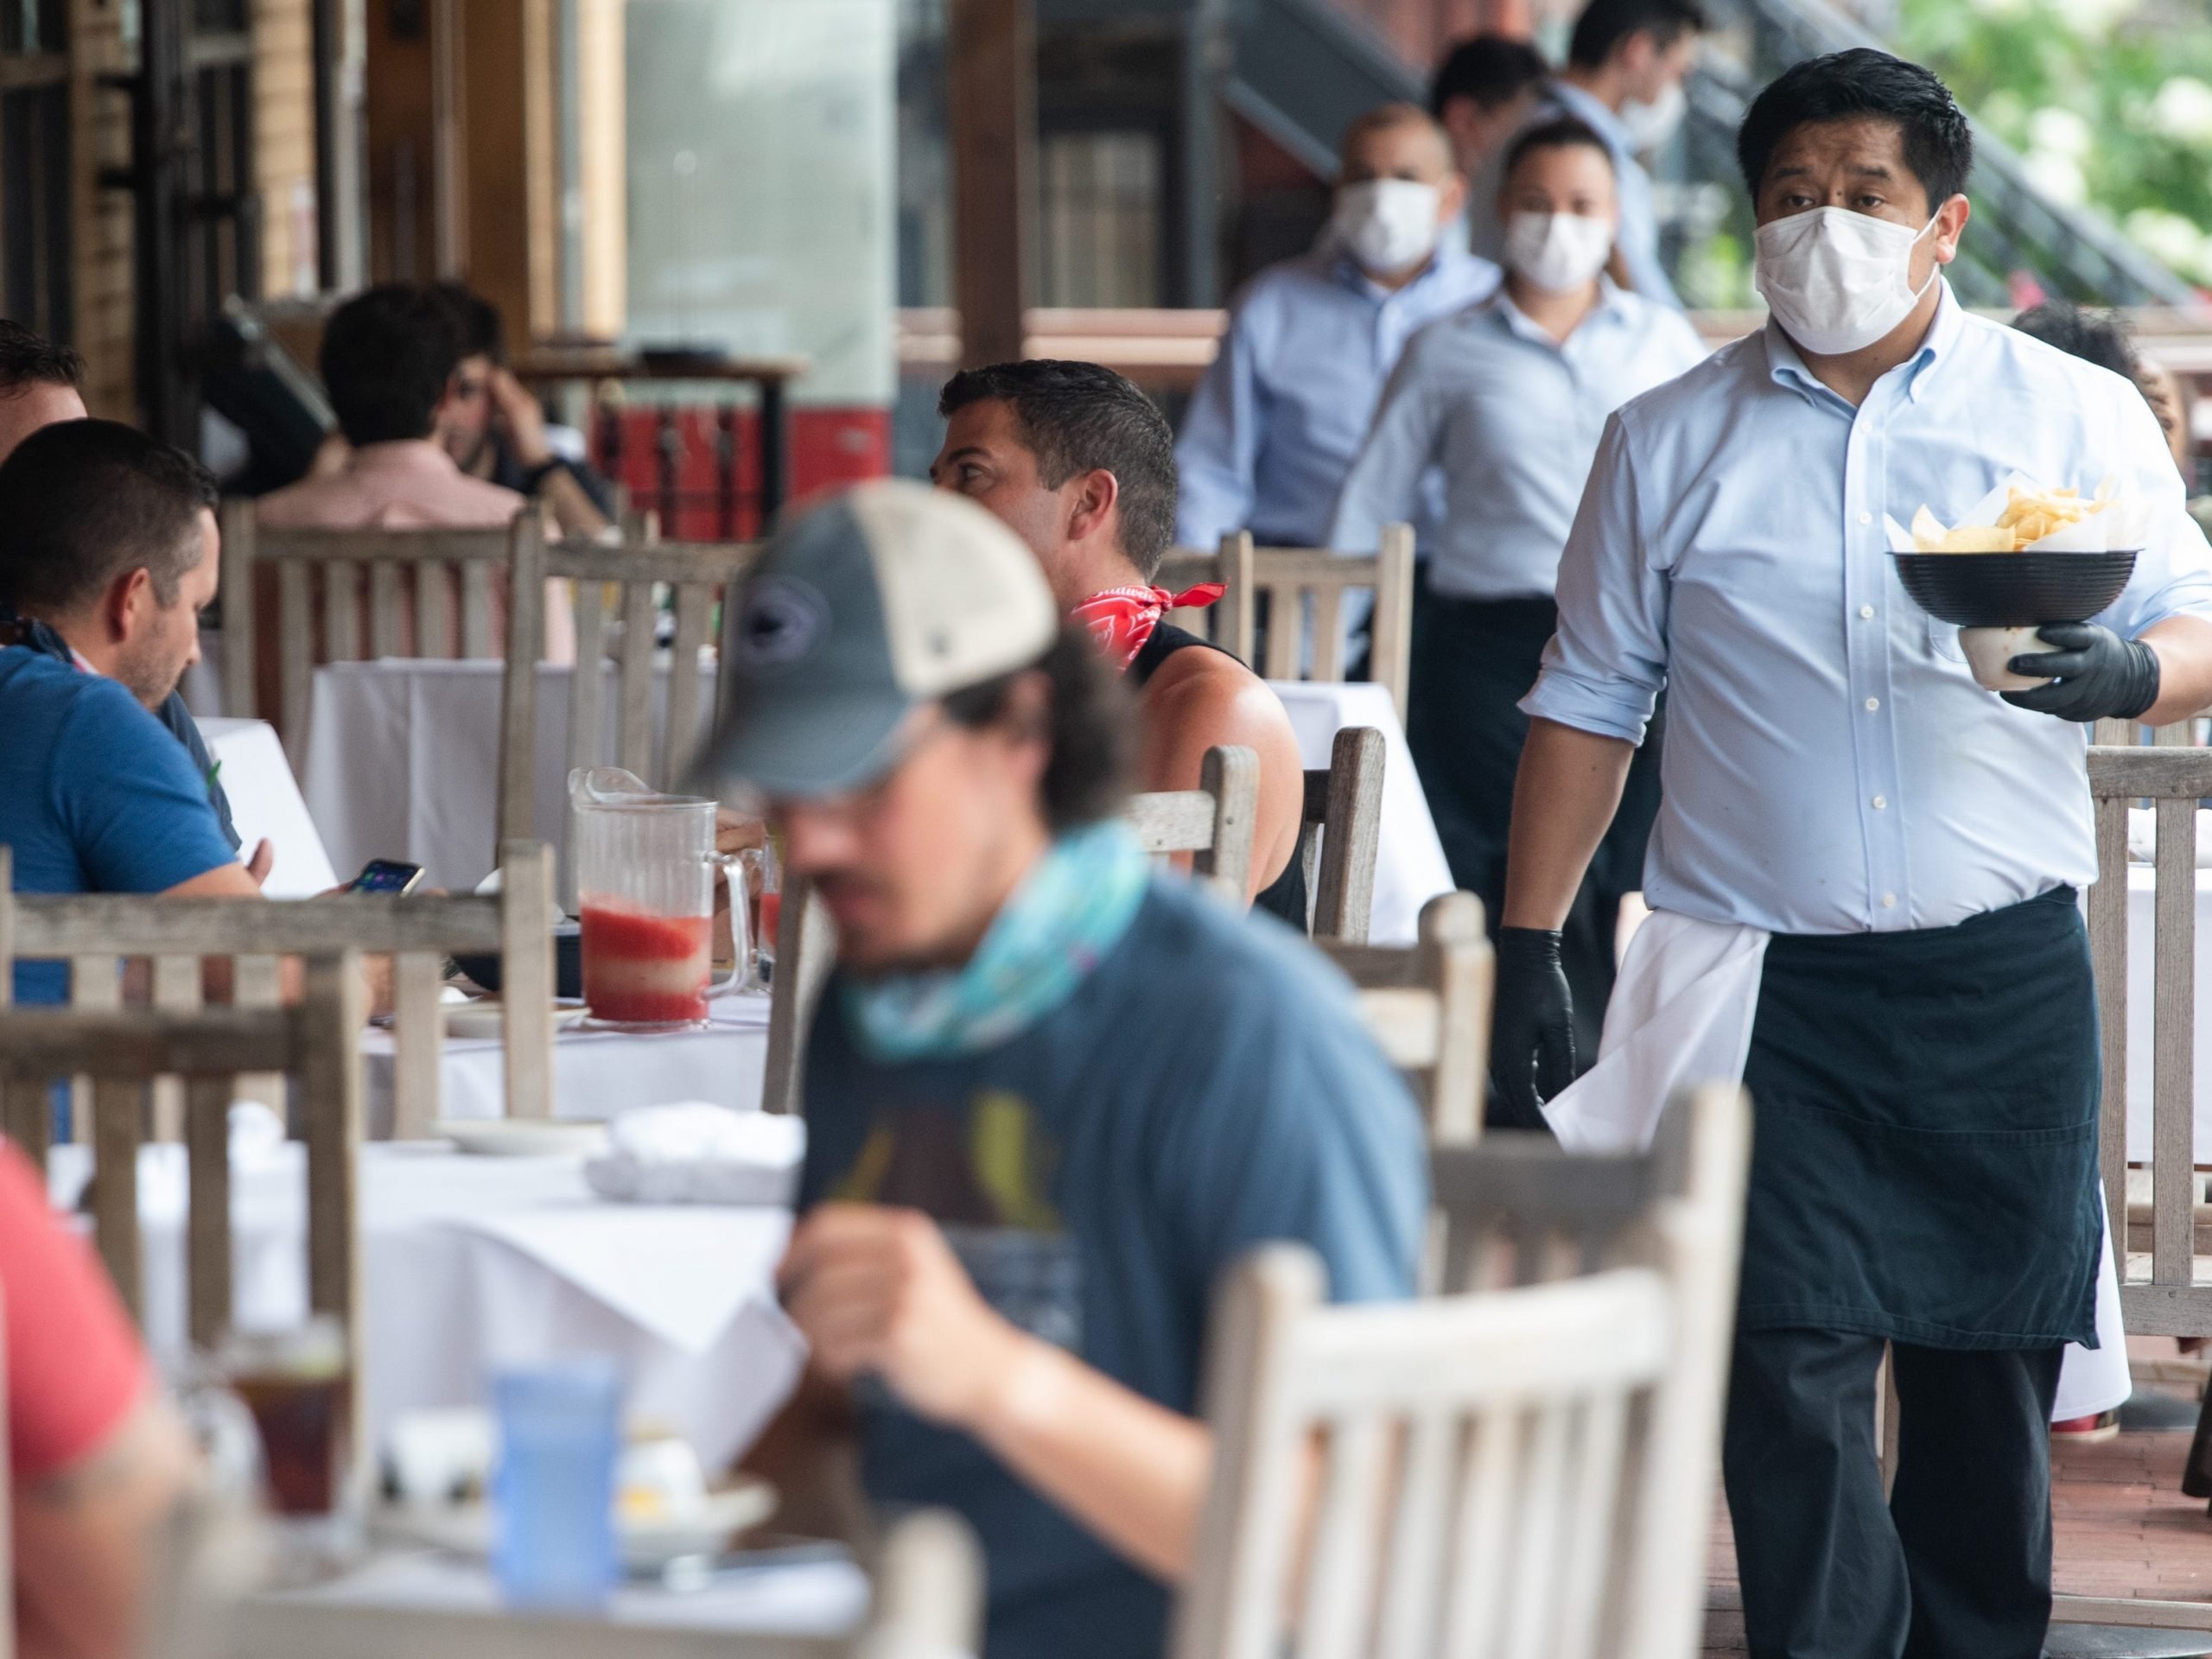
point(764, 882)
point(296, 1383)
point(646, 865)
point(553, 1488)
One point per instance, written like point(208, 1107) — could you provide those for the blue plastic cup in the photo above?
point(553, 1492)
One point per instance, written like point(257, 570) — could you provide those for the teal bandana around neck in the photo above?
point(1065, 915)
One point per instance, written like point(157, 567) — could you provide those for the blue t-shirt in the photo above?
point(96, 796)
point(1207, 1087)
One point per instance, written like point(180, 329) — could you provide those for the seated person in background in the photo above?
point(108, 539)
point(494, 429)
point(390, 362)
point(1082, 465)
point(42, 383)
point(1280, 414)
point(2100, 338)
point(1483, 92)
point(1021, 1185)
point(97, 1459)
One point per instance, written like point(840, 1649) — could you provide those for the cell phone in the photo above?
point(386, 876)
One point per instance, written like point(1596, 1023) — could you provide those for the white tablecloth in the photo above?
point(598, 1073)
point(265, 802)
point(402, 761)
point(2142, 889)
point(475, 1262)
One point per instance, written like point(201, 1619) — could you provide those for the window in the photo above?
point(35, 196)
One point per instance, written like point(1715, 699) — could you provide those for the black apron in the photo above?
point(1924, 1134)
point(1473, 660)
point(1284, 897)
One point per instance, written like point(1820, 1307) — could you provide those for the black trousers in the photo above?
point(1956, 1564)
point(1473, 661)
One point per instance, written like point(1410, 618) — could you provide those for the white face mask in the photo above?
point(1838, 281)
point(1557, 251)
point(1652, 124)
point(1388, 224)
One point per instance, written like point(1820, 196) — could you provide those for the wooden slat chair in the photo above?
point(1508, 1472)
point(927, 1604)
point(693, 575)
point(96, 932)
point(1213, 822)
point(1429, 1008)
point(1338, 834)
point(1288, 576)
point(1229, 621)
point(314, 1041)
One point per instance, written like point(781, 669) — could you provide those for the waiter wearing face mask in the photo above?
point(1276, 422)
point(1894, 852)
point(1507, 399)
point(1624, 78)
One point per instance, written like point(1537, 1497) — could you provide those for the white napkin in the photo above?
point(695, 1153)
point(2143, 836)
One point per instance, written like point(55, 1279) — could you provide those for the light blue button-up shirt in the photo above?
point(1638, 237)
point(1275, 422)
point(1512, 417)
point(1831, 766)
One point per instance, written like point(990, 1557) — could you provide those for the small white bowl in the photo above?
point(1989, 649)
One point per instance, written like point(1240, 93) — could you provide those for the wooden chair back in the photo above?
point(1428, 1007)
point(1229, 621)
point(1214, 823)
point(692, 576)
point(314, 1042)
point(96, 932)
point(1338, 834)
point(1291, 576)
point(409, 578)
point(1501, 1472)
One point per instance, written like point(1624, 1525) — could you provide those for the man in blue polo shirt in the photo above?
point(108, 544)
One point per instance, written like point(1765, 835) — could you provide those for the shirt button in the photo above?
point(1866, 612)
point(1881, 802)
point(1888, 901)
point(1865, 518)
point(1872, 703)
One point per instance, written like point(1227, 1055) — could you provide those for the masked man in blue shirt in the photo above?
point(1279, 415)
point(1904, 846)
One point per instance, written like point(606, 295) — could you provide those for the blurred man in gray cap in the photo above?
point(1050, 1095)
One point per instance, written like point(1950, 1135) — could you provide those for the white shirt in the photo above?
point(1831, 766)
point(1513, 418)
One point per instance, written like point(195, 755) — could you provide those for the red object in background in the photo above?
point(772, 915)
point(718, 499)
point(644, 968)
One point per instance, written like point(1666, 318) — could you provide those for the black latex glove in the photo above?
point(1532, 1030)
point(2097, 675)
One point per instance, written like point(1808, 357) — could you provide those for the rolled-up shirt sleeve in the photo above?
point(2173, 573)
point(1606, 665)
point(1385, 483)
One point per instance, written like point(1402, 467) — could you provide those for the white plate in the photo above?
point(647, 1545)
point(489, 1018)
point(514, 1137)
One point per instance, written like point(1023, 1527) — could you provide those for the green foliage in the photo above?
point(2109, 102)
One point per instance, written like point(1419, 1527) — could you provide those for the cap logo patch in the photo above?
point(782, 620)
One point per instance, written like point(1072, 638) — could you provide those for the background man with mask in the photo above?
point(1278, 417)
point(1482, 93)
point(1508, 399)
point(1893, 852)
point(1623, 77)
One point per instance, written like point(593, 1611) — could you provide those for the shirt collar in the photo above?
point(1610, 303)
point(1787, 368)
point(1593, 111)
point(1447, 258)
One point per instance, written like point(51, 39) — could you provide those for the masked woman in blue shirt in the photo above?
point(1507, 398)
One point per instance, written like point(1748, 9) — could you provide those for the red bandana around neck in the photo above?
point(1121, 620)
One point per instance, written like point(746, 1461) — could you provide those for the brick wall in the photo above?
point(100, 137)
point(283, 143)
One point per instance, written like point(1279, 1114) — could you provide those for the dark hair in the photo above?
point(28, 358)
point(1087, 778)
point(1605, 24)
point(1563, 132)
point(387, 356)
point(1938, 143)
point(1078, 417)
point(1491, 69)
point(82, 502)
point(2094, 336)
point(477, 325)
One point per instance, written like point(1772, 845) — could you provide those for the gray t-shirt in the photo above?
point(1208, 1087)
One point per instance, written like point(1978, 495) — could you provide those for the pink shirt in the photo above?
point(410, 484)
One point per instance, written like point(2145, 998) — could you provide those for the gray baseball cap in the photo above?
point(885, 597)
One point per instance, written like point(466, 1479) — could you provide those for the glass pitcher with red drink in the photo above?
point(646, 865)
